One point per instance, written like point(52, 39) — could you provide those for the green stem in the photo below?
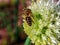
point(16, 19)
point(28, 41)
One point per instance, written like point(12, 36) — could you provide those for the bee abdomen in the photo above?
point(29, 21)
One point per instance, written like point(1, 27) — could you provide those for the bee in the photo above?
point(28, 15)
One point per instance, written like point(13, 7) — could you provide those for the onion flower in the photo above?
point(45, 28)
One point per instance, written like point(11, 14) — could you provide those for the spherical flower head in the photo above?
point(45, 28)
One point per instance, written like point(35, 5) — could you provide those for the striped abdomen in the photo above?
point(29, 21)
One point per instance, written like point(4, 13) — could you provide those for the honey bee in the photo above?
point(28, 15)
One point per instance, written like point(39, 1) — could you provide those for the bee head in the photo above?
point(27, 12)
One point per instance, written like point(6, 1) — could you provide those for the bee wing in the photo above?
point(32, 19)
